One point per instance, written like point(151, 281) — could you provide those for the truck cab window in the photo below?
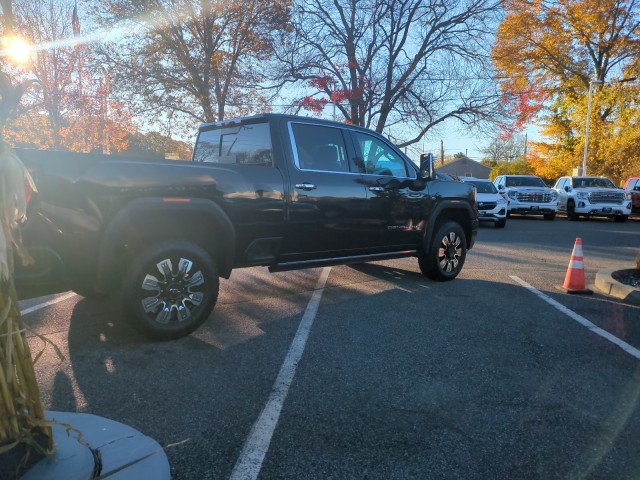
point(318, 147)
point(248, 144)
point(379, 158)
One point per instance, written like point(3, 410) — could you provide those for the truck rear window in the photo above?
point(238, 144)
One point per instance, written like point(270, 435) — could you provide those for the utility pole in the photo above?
point(586, 132)
point(441, 152)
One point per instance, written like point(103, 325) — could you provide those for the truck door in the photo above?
point(397, 201)
point(328, 202)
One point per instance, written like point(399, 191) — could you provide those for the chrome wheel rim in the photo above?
point(450, 252)
point(175, 292)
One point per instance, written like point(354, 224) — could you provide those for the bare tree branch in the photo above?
point(385, 63)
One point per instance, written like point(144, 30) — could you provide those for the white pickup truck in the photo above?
point(527, 195)
point(592, 197)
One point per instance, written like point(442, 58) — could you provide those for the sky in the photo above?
point(458, 140)
point(456, 137)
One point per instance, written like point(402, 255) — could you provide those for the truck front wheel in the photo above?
point(444, 259)
point(170, 289)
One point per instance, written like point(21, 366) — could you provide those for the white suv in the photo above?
point(491, 206)
point(592, 196)
point(527, 195)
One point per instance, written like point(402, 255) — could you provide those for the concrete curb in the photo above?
point(610, 286)
point(87, 444)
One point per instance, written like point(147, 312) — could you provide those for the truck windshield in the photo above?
point(524, 182)
point(592, 183)
point(238, 144)
point(483, 187)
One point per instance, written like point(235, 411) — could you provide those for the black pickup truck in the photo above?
point(271, 190)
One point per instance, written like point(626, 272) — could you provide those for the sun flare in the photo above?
point(18, 49)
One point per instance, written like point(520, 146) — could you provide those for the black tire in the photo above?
point(500, 223)
point(549, 216)
point(508, 214)
point(445, 256)
point(620, 218)
point(162, 309)
point(571, 211)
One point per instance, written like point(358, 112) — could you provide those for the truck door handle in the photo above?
point(376, 189)
point(306, 186)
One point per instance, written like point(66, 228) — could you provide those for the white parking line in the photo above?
point(255, 448)
point(580, 319)
point(62, 298)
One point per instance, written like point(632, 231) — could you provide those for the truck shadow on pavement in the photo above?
point(174, 391)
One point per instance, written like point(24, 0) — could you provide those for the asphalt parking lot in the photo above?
point(373, 371)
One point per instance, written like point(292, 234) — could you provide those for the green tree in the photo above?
point(519, 167)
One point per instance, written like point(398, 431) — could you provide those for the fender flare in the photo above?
point(135, 213)
point(458, 205)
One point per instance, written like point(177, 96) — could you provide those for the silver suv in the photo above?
point(527, 195)
point(592, 197)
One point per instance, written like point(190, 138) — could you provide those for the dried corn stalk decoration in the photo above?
point(22, 420)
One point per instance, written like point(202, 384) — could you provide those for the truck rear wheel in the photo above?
point(170, 289)
point(444, 259)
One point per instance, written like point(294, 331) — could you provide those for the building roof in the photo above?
point(465, 167)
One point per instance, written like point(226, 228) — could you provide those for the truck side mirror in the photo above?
point(427, 171)
point(567, 188)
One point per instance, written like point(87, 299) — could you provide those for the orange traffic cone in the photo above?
point(574, 281)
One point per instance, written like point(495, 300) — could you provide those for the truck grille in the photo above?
point(606, 197)
point(486, 205)
point(534, 197)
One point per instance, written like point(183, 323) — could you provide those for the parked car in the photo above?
point(632, 187)
point(592, 197)
point(527, 195)
point(491, 206)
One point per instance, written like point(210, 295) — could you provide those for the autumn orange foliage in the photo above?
point(546, 54)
